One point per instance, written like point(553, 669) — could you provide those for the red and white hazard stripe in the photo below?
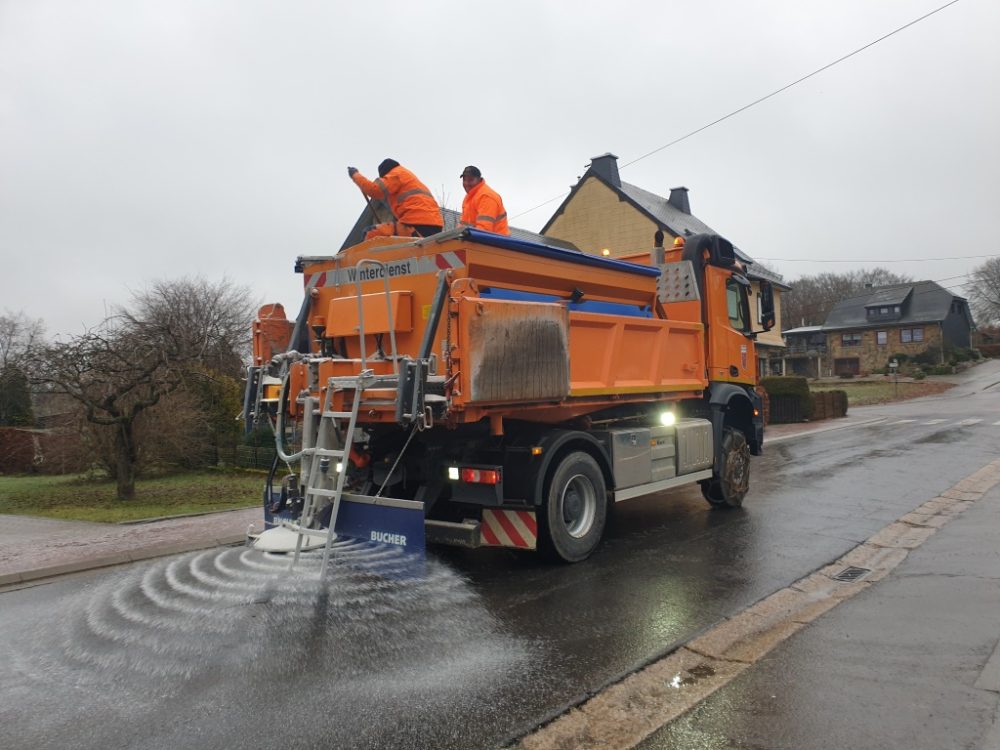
point(316, 280)
point(448, 260)
point(509, 528)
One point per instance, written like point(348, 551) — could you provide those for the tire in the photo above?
point(729, 485)
point(576, 508)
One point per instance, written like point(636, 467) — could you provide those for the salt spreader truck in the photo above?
point(479, 390)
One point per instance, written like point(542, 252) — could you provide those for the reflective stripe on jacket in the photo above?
point(410, 200)
point(482, 208)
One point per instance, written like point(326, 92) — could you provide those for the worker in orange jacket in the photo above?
point(417, 213)
point(482, 207)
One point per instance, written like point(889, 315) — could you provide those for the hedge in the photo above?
point(790, 385)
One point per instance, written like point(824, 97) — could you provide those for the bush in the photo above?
point(919, 375)
point(846, 375)
point(990, 350)
point(789, 385)
point(941, 370)
point(926, 357)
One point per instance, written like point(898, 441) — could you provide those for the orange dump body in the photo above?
point(526, 331)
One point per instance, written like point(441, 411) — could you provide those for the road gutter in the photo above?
point(627, 712)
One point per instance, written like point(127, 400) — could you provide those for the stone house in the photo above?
point(864, 332)
point(605, 216)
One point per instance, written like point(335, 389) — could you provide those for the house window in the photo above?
point(850, 339)
point(908, 335)
point(881, 338)
point(736, 304)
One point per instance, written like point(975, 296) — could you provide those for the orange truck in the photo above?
point(480, 390)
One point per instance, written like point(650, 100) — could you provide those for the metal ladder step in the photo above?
point(336, 414)
point(302, 531)
point(321, 492)
point(331, 452)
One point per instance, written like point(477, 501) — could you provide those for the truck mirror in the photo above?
point(722, 252)
point(765, 304)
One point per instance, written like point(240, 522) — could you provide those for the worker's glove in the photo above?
point(351, 171)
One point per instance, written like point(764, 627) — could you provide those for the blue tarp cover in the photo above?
point(548, 251)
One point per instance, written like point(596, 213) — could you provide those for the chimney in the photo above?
point(679, 199)
point(606, 167)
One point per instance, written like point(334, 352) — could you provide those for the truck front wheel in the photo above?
point(576, 508)
point(731, 481)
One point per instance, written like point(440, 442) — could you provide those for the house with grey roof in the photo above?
point(605, 216)
point(921, 319)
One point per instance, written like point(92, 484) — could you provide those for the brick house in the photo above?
point(864, 332)
point(605, 216)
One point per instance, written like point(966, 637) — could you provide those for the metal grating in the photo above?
point(851, 574)
point(677, 282)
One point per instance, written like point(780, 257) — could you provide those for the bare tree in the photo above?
point(812, 297)
point(983, 289)
point(19, 336)
point(138, 356)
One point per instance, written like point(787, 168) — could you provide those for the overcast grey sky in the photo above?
point(144, 139)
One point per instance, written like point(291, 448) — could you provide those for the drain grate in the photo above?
point(851, 574)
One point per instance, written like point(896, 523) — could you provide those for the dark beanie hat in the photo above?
point(387, 166)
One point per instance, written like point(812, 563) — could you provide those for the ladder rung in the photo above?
point(328, 452)
point(337, 414)
point(321, 492)
point(303, 531)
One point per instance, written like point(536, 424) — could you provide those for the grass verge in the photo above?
point(80, 498)
point(867, 393)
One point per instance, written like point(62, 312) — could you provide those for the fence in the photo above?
point(253, 457)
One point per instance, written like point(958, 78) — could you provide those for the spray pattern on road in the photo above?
point(225, 617)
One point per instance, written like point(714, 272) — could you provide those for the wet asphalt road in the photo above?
point(218, 649)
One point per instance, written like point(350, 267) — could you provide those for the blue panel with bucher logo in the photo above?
point(382, 520)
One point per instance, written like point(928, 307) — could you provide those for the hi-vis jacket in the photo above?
point(483, 209)
point(410, 200)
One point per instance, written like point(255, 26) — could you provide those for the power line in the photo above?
point(745, 107)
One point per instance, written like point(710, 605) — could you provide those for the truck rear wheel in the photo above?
point(576, 508)
point(731, 481)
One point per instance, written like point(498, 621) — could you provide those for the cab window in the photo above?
point(734, 301)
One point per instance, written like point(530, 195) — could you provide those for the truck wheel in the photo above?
point(576, 508)
point(732, 480)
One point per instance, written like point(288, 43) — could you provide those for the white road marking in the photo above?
point(902, 421)
point(935, 421)
point(969, 422)
point(996, 424)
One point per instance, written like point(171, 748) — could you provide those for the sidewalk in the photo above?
point(33, 548)
point(911, 662)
